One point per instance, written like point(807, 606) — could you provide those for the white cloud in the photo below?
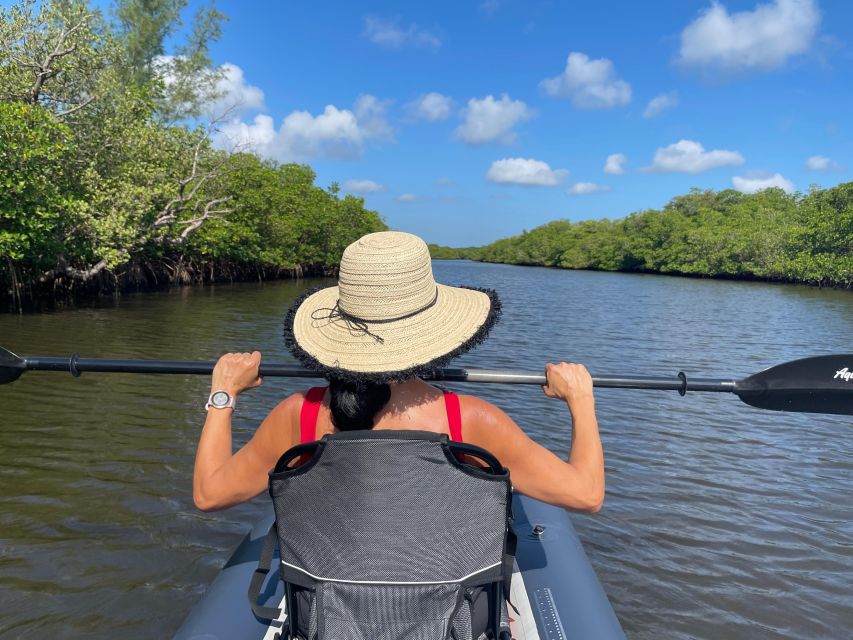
point(818, 163)
point(584, 188)
point(338, 133)
point(257, 135)
point(688, 156)
point(234, 92)
point(443, 182)
point(526, 171)
point(753, 183)
point(490, 120)
point(389, 33)
point(661, 103)
point(614, 162)
point(432, 107)
point(370, 113)
point(589, 84)
point(407, 197)
point(230, 92)
point(363, 186)
point(334, 133)
point(821, 163)
point(760, 39)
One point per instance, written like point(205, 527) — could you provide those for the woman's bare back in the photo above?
point(413, 405)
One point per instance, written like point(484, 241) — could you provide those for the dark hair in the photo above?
point(355, 404)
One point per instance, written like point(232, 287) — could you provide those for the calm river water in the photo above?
point(721, 521)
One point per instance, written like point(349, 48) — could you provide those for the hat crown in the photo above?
point(386, 275)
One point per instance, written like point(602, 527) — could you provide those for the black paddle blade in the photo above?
point(11, 366)
point(822, 384)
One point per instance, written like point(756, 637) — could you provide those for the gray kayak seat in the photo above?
point(390, 535)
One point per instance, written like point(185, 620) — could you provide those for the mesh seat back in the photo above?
point(388, 529)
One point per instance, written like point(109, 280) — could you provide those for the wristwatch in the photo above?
point(221, 400)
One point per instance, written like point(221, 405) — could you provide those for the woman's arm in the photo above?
point(222, 478)
point(574, 484)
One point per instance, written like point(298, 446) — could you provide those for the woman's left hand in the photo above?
point(236, 372)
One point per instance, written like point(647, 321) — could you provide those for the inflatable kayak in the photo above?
point(554, 587)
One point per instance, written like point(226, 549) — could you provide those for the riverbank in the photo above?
point(769, 236)
point(465, 254)
point(137, 277)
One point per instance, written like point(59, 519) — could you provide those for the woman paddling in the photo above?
point(384, 325)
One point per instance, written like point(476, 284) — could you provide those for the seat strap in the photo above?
point(509, 563)
point(260, 574)
point(454, 416)
point(309, 413)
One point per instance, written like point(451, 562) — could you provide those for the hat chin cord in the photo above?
point(358, 326)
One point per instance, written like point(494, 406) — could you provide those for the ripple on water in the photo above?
point(721, 521)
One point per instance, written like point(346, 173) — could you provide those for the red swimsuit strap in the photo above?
point(309, 413)
point(454, 416)
point(314, 398)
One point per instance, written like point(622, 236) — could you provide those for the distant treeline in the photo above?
point(107, 180)
point(769, 235)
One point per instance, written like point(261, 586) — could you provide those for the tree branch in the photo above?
point(63, 268)
point(169, 213)
point(68, 112)
point(209, 214)
point(86, 274)
point(46, 70)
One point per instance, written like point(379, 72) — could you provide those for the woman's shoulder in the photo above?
point(479, 413)
point(295, 399)
point(488, 426)
point(289, 408)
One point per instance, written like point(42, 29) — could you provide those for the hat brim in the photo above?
point(459, 319)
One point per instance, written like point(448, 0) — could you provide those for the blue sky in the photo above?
point(526, 101)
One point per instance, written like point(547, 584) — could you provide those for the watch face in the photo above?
point(220, 399)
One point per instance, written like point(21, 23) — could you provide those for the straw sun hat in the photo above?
point(387, 319)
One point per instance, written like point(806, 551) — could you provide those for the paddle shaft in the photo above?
point(818, 384)
point(77, 365)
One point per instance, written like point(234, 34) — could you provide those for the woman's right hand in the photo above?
point(568, 381)
point(236, 372)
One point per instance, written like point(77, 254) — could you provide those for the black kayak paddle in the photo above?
point(821, 384)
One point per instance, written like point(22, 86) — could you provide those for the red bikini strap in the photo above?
point(309, 413)
point(454, 416)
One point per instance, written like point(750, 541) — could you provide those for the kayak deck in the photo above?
point(554, 587)
point(521, 624)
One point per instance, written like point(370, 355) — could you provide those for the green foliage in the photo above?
point(281, 218)
point(144, 26)
point(100, 175)
point(439, 252)
point(53, 54)
point(39, 201)
point(769, 235)
point(823, 237)
point(185, 79)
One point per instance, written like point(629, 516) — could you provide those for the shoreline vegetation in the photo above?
point(113, 175)
point(771, 236)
